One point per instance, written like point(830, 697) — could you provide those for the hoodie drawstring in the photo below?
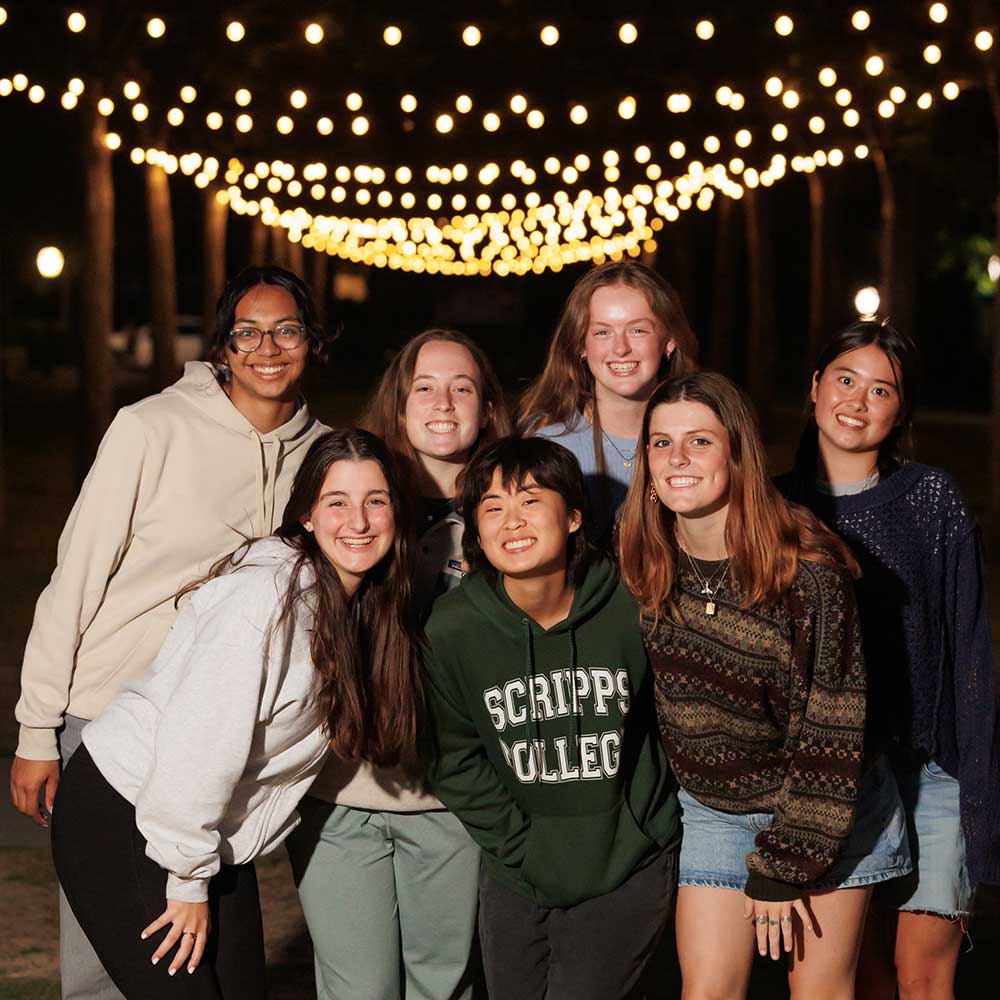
point(574, 758)
point(529, 686)
point(266, 480)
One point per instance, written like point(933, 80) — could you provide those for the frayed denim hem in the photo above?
point(710, 882)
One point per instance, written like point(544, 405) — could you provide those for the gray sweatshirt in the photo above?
point(218, 741)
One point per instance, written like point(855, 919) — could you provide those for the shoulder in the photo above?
point(572, 430)
point(454, 618)
point(822, 584)
point(936, 489)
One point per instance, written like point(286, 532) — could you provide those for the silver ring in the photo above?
point(762, 920)
point(786, 919)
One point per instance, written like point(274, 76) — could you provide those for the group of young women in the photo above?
point(512, 698)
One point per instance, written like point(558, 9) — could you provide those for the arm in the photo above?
point(461, 775)
point(970, 652)
point(203, 741)
point(91, 548)
point(814, 810)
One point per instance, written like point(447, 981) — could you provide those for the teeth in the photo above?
point(442, 427)
point(623, 367)
point(677, 481)
point(518, 543)
point(357, 543)
point(850, 421)
point(269, 369)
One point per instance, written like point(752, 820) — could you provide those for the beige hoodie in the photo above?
point(180, 479)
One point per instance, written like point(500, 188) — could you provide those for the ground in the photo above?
point(39, 438)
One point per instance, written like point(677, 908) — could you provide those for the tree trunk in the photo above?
point(673, 261)
point(319, 281)
point(213, 280)
point(279, 245)
point(887, 231)
point(760, 346)
point(258, 242)
point(162, 276)
point(994, 91)
point(724, 286)
point(296, 261)
point(817, 265)
point(97, 286)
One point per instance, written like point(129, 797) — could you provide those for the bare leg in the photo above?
point(715, 943)
point(824, 967)
point(927, 949)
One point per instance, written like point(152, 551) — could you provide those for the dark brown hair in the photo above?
point(765, 535)
point(904, 359)
point(551, 466)
point(385, 414)
point(364, 647)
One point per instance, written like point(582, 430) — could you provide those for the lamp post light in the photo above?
point(866, 302)
point(50, 262)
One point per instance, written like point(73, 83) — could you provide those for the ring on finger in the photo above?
point(786, 919)
point(762, 920)
point(772, 923)
point(189, 934)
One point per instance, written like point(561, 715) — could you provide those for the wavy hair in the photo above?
point(385, 414)
point(364, 647)
point(765, 535)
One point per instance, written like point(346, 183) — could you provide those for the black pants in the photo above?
point(596, 950)
point(115, 891)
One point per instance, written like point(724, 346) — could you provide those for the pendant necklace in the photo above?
point(707, 589)
point(627, 460)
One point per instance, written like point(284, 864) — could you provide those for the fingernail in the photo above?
point(191, 969)
point(172, 971)
point(155, 960)
point(142, 936)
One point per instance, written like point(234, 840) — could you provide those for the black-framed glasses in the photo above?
point(246, 339)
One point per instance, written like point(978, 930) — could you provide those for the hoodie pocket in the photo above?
point(569, 859)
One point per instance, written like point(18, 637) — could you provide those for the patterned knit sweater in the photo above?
point(764, 711)
point(926, 624)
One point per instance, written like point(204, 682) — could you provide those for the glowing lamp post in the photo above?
point(49, 262)
point(866, 302)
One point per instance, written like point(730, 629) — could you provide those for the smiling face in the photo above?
point(625, 343)
point(353, 519)
point(689, 459)
point(857, 402)
point(444, 409)
point(268, 373)
point(523, 531)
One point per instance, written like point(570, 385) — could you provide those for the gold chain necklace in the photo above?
point(627, 462)
point(706, 585)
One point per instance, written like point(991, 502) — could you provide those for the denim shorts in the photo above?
point(716, 844)
point(939, 882)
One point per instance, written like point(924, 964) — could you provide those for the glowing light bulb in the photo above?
point(816, 124)
point(773, 86)
point(314, 33)
point(712, 144)
point(626, 108)
point(213, 120)
point(861, 20)
point(784, 25)
point(704, 30)
point(444, 123)
point(627, 33)
point(843, 97)
point(131, 90)
point(49, 261)
point(140, 112)
point(491, 121)
point(392, 35)
point(75, 86)
point(897, 95)
point(354, 102)
point(578, 114)
point(243, 97)
point(76, 22)
point(743, 138)
point(874, 65)
point(188, 94)
point(518, 104)
point(827, 76)
point(324, 126)
point(155, 27)
point(924, 101)
point(938, 13)
point(471, 35)
point(790, 99)
point(175, 117)
point(549, 34)
point(950, 90)
point(244, 123)
point(463, 104)
point(779, 132)
point(298, 99)
point(724, 95)
point(359, 125)
point(866, 301)
point(408, 103)
point(235, 31)
point(984, 41)
point(535, 118)
point(68, 100)
point(113, 141)
point(851, 118)
point(284, 124)
point(932, 54)
point(105, 106)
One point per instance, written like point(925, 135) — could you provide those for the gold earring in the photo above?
point(308, 525)
point(654, 497)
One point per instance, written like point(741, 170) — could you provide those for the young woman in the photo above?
point(180, 479)
point(297, 644)
point(621, 330)
point(925, 618)
point(545, 739)
point(375, 836)
point(753, 634)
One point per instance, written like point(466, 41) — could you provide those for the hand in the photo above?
point(190, 925)
point(774, 923)
point(27, 778)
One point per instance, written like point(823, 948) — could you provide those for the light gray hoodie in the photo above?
point(219, 740)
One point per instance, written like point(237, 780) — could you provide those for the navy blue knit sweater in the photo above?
point(926, 627)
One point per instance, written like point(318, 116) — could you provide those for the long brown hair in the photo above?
point(765, 535)
point(564, 391)
point(364, 647)
point(385, 414)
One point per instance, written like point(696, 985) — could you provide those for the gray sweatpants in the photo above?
point(390, 900)
point(80, 970)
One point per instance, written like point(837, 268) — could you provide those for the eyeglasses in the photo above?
point(246, 339)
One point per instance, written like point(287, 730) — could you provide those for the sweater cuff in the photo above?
point(37, 744)
point(187, 890)
point(770, 890)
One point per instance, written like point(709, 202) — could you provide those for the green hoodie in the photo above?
point(567, 800)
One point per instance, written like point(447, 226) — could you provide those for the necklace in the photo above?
point(627, 460)
point(706, 585)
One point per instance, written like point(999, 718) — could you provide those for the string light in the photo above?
point(491, 121)
point(518, 104)
point(938, 13)
point(444, 123)
point(298, 99)
point(235, 31)
point(784, 25)
point(314, 33)
point(874, 65)
point(471, 35)
point(626, 108)
point(984, 41)
point(827, 76)
point(773, 86)
point(76, 22)
point(243, 97)
point(549, 34)
point(950, 90)
point(408, 103)
point(535, 118)
point(359, 125)
point(105, 106)
point(932, 54)
point(392, 35)
point(131, 90)
point(463, 104)
point(861, 20)
point(213, 120)
point(704, 30)
point(155, 27)
point(324, 125)
point(578, 114)
point(188, 94)
point(627, 33)
point(75, 86)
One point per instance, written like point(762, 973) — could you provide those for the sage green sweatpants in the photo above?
point(390, 899)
